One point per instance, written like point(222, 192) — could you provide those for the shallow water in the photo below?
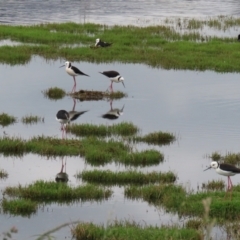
point(201, 108)
point(112, 12)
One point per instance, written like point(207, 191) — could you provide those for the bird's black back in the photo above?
point(230, 168)
point(110, 74)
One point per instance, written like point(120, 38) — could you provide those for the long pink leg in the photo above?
point(111, 86)
point(74, 86)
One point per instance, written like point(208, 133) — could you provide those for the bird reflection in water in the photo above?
point(113, 113)
point(62, 176)
point(65, 117)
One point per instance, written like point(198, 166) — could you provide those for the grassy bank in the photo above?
point(157, 46)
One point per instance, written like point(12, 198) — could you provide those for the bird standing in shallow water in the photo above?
point(73, 71)
point(114, 76)
point(100, 43)
point(225, 170)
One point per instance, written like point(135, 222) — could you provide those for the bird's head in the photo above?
point(97, 41)
point(121, 79)
point(213, 165)
point(67, 64)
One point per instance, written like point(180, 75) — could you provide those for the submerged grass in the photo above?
point(158, 46)
point(157, 138)
point(3, 173)
point(126, 177)
point(127, 230)
point(6, 119)
point(30, 119)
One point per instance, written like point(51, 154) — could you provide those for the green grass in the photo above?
point(157, 46)
point(126, 177)
point(54, 93)
point(101, 130)
point(131, 231)
point(175, 199)
point(6, 119)
point(43, 191)
point(22, 207)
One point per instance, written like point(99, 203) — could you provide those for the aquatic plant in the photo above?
point(22, 207)
point(158, 138)
point(43, 191)
point(54, 93)
point(30, 119)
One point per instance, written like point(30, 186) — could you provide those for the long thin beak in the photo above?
point(62, 66)
point(207, 168)
point(123, 84)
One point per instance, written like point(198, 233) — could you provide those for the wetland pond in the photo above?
point(202, 109)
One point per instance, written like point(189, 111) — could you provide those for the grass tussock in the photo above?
point(54, 93)
point(6, 119)
point(126, 230)
point(32, 119)
point(22, 207)
point(126, 177)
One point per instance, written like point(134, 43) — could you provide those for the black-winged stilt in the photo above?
point(100, 43)
point(225, 170)
point(73, 71)
point(114, 76)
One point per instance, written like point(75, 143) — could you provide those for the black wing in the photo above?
point(110, 74)
point(62, 114)
point(230, 168)
point(76, 70)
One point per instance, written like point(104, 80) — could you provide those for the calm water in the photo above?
point(112, 12)
point(201, 108)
